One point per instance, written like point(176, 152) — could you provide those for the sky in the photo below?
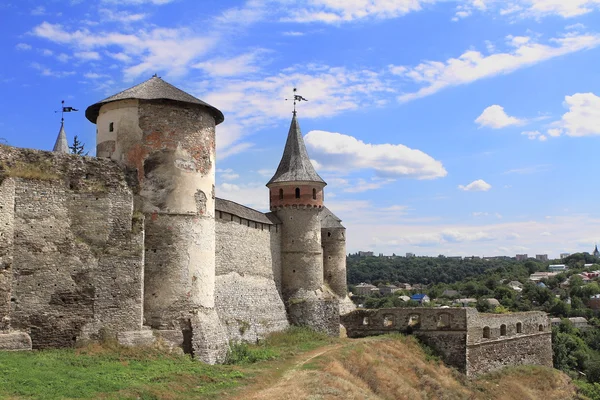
point(455, 127)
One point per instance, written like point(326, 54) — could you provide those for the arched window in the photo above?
point(519, 327)
point(541, 328)
point(486, 332)
point(414, 321)
point(297, 193)
point(502, 330)
point(280, 194)
point(314, 194)
point(388, 320)
point(366, 321)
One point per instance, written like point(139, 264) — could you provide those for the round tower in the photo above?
point(333, 238)
point(296, 196)
point(168, 138)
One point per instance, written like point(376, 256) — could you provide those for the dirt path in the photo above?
point(271, 387)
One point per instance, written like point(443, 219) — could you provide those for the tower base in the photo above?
point(318, 310)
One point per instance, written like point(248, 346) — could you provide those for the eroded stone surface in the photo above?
point(15, 341)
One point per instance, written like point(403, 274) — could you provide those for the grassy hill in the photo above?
point(294, 365)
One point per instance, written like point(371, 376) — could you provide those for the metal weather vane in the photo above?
point(297, 98)
point(65, 109)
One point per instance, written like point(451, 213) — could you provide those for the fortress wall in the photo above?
point(443, 329)
point(78, 250)
point(248, 263)
point(7, 205)
point(531, 349)
point(530, 323)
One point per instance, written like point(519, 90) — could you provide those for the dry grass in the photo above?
point(40, 171)
point(387, 368)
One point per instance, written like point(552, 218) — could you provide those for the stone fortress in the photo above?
point(133, 244)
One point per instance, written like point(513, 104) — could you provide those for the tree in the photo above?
point(77, 147)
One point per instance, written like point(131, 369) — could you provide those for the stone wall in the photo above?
point(248, 267)
point(458, 334)
point(445, 330)
point(77, 263)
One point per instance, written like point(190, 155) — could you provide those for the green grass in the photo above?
point(109, 371)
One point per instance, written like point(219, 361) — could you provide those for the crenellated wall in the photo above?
point(77, 247)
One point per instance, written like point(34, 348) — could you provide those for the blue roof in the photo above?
point(418, 296)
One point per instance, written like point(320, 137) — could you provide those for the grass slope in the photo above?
point(297, 364)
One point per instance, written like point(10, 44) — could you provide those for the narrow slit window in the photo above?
point(314, 194)
point(486, 332)
point(280, 194)
point(111, 127)
point(502, 330)
point(297, 193)
point(519, 327)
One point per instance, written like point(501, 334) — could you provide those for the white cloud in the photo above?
point(23, 46)
point(138, 2)
point(293, 33)
point(546, 234)
point(45, 71)
point(227, 174)
point(159, 49)
point(472, 65)
point(529, 170)
point(529, 8)
point(336, 151)
point(62, 57)
point(495, 117)
point(336, 11)
point(476, 186)
point(254, 195)
point(87, 55)
point(40, 10)
point(240, 65)
point(583, 117)
point(93, 75)
point(533, 135)
point(121, 16)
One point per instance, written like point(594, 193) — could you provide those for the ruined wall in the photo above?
point(458, 334)
point(78, 257)
point(498, 340)
point(445, 330)
point(248, 267)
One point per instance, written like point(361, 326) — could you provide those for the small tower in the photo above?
point(168, 137)
point(596, 253)
point(296, 196)
point(61, 145)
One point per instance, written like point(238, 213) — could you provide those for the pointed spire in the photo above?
point(295, 165)
point(61, 145)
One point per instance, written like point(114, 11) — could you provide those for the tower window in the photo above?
point(502, 330)
point(314, 194)
point(486, 332)
point(297, 193)
point(519, 327)
point(111, 127)
point(280, 194)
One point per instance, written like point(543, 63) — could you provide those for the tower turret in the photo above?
point(168, 137)
point(296, 195)
point(61, 145)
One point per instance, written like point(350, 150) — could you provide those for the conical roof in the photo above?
point(153, 89)
point(295, 166)
point(61, 145)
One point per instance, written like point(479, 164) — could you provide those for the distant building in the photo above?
point(492, 302)
point(596, 253)
point(564, 255)
point(465, 302)
point(455, 258)
point(515, 285)
point(404, 298)
point(365, 289)
point(577, 322)
point(451, 294)
point(594, 302)
point(541, 257)
point(521, 257)
point(365, 254)
point(420, 298)
point(388, 289)
point(557, 267)
point(538, 276)
point(405, 286)
point(409, 255)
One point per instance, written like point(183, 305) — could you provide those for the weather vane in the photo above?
point(297, 98)
point(63, 110)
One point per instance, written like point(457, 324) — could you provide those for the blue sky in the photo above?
point(442, 127)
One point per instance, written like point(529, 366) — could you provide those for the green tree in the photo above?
point(77, 147)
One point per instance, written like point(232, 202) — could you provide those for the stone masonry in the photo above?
point(474, 343)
